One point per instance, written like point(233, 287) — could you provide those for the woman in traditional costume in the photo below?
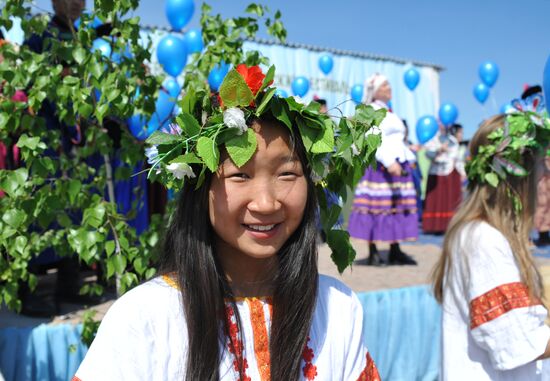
point(239, 297)
point(444, 187)
point(384, 208)
point(493, 321)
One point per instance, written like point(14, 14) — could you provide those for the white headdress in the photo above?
point(372, 84)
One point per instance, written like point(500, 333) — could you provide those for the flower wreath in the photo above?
point(337, 154)
point(523, 130)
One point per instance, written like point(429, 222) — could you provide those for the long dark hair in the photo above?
point(190, 253)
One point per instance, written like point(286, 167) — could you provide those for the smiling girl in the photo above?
point(240, 297)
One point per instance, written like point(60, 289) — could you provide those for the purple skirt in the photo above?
point(384, 208)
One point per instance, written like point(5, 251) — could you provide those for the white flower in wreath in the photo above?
point(234, 118)
point(181, 170)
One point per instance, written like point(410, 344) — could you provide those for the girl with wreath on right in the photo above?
point(493, 320)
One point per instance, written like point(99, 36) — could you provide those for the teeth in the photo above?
point(261, 228)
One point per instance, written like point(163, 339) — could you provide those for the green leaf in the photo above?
point(188, 102)
point(325, 142)
point(309, 135)
point(208, 151)
point(279, 109)
point(234, 91)
point(242, 147)
point(119, 263)
point(27, 141)
point(343, 253)
point(265, 101)
point(20, 244)
point(73, 190)
point(109, 247)
point(94, 215)
point(188, 158)
point(268, 78)
point(79, 54)
point(14, 218)
point(492, 179)
point(159, 137)
point(188, 124)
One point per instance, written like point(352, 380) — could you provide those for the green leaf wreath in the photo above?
point(337, 153)
point(523, 130)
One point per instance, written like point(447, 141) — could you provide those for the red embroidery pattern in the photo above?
point(261, 339)
point(75, 379)
point(235, 345)
point(498, 301)
point(370, 373)
point(310, 370)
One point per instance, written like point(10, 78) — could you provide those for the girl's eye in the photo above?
point(288, 175)
point(238, 176)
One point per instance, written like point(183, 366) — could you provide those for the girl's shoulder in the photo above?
point(148, 298)
point(483, 245)
point(335, 295)
point(481, 232)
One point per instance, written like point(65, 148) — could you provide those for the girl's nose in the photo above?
point(263, 199)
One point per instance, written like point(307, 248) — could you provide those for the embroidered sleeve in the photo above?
point(370, 373)
point(504, 320)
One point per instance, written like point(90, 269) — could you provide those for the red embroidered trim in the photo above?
point(75, 379)
point(261, 338)
point(235, 345)
point(498, 301)
point(370, 373)
point(310, 370)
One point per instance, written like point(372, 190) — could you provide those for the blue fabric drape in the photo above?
point(402, 331)
point(43, 353)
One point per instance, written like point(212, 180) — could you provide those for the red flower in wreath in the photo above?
point(253, 77)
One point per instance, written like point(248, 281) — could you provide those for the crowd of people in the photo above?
point(239, 295)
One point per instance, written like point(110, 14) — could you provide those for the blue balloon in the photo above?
point(326, 63)
point(488, 72)
point(172, 86)
point(426, 128)
point(281, 93)
point(103, 46)
point(448, 113)
point(172, 54)
point(546, 84)
point(137, 126)
point(411, 78)
point(193, 40)
point(179, 12)
point(300, 86)
point(164, 107)
point(481, 92)
point(216, 76)
point(357, 93)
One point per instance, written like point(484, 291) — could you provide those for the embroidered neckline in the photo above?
point(264, 298)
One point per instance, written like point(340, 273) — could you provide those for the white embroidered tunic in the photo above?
point(443, 163)
point(393, 147)
point(491, 329)
point(143, 336)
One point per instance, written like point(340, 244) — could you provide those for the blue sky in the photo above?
point(458, 35)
